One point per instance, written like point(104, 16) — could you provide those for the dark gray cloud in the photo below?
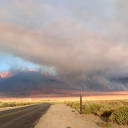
point(84, 47)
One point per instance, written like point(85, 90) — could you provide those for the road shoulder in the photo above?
point(62, 116)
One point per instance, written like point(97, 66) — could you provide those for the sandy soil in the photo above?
point(61, 116)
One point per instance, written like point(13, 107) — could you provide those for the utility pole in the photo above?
point(81, 101)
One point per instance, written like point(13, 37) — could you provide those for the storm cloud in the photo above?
point(85, 41)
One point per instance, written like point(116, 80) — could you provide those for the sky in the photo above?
point(8, 62)
point(78, 40)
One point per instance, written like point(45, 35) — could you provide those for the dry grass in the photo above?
point(115, 111)
point(65, 99)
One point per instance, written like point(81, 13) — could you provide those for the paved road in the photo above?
point(25, 117)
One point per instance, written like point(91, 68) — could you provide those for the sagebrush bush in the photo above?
point(74, 105)
point(120, 116)
point(13, 104)
point(91, 108)
point(8, 104)
point(105, 124)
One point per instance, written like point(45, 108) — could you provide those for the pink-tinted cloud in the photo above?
point(76, 46)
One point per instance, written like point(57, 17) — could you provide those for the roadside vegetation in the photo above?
point(109, 111)
point(14, 104)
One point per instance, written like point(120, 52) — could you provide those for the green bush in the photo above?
point(105, 124)
point(8, 104)
point(13, 104)
point(74, 105)
point(120, 116)
point(96, 109)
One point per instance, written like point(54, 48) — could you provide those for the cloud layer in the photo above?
point(86, 46)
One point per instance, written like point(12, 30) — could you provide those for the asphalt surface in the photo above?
point(24, 117)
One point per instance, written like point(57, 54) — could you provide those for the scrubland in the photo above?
point(34, 100)
point(111, 112)
point(14, 102)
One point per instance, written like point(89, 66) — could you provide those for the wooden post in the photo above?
point(81, 101)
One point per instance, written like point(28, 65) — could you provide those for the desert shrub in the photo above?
point(8, 104)
point(13, 104)
point(105, 124)
point(120, 116)
point(92, 109)
point(74, 105)
point(87, 109)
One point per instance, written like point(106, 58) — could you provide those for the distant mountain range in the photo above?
point(29, 83)
point(5, 75)
point(34, 83)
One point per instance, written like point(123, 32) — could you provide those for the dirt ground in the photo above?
point(62, 116)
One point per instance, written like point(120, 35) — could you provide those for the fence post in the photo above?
point(81, 101)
